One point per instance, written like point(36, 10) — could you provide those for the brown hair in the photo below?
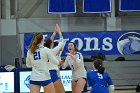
point(48, 42)
point(98, 64)
point(55, 43)
point(75, 46)
point(37, 38)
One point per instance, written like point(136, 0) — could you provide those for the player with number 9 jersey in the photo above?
point(100, 81)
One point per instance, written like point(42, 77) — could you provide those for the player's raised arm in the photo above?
point(58, 29)
point(54, 33)
point(60, 45)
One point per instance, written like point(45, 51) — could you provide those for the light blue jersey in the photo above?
point(99, 82)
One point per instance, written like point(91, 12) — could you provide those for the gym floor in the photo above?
point(123, 91)
point(119, 90)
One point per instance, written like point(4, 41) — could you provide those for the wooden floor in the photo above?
point(123, 91)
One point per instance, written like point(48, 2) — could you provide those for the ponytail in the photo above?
point(37, 38)
point(99, 66)
point(101, 70)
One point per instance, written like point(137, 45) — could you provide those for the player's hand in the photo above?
point(55, 29)
point(58, 28)
point(69, 54)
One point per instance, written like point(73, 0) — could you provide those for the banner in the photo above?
point(61, 6)
point(7, 82)
point(24, 77)
point(129, 5)
point(96, 6)
point(91, 43)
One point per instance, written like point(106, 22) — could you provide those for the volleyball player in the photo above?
point(38, 58)
point(74, 59)
point(54, 68)
point(100, 81)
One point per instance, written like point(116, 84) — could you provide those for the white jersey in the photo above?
point(78, 69)
point(53, 65)
point(39, 61)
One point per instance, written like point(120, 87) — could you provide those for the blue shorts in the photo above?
point(99, 89)
point(41, 83)
point(54, 76)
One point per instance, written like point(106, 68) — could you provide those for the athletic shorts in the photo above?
point(41, 83)
point(99, 89)
point(54, 76)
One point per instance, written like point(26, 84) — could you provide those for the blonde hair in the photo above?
point(37, 38)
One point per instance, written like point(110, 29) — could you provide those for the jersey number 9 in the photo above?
point(100, 76)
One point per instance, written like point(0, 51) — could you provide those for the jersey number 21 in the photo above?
point(37, 55)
